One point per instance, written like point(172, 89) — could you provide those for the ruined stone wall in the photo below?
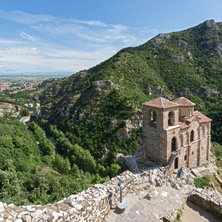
point(91, 205)
point(211, 201)
point(94, 204)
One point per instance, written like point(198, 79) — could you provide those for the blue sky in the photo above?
point(55, 36)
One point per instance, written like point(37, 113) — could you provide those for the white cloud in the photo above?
point(25, 59)
point(9, 42)
point(91, 22)
point(25, 18)
point(58, 44)
point(27, 36)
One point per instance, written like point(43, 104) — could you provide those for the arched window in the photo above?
point(173, 144)
point(171, 119)
point(152, 118)
point(192, 136)
point(181, 140)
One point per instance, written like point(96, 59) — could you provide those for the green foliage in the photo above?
point(29, 175)
point(113, 170)
point(179, 215)
point(148, 197)
point(203, 181)
point(45, 144)
point(217, 148)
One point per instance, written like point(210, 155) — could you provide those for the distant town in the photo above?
point(15, 85)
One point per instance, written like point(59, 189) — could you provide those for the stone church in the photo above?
point(174, 134)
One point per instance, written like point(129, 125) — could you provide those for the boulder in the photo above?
point(182, 173)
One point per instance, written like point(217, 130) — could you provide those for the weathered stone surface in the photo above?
point(94, 203)
point(182, 173)
point(207, 199)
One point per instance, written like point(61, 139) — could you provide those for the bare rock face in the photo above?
point(207, 43)
point(178, 58)
point(64, 112)
point(113, 123)
point(183, 44)
point(209, 23)
point(218, 50)
point(104, 83)
point(7, 108)
point(134, 122)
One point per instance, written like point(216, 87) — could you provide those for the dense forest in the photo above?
point(34, 171)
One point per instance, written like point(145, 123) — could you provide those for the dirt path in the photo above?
point(193, 213)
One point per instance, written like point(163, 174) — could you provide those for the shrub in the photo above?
point(203, 181)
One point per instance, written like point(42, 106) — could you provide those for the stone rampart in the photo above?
point(95, 203)
point(92, 204)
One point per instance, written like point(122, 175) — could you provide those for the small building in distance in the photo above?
point(174, 134)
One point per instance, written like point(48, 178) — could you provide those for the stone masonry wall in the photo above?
point(94, 204)
point(211, 201)
point(91, 205)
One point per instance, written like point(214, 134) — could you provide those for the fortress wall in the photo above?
point(91, 205)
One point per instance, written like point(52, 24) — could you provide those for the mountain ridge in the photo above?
point(186, 63)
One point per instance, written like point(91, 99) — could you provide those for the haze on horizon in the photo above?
point(53, 37)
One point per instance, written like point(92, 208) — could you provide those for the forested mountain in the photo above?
point(92, 105)
point(92, 116)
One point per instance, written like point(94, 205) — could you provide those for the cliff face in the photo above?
point(186, 63)
point(7, 108)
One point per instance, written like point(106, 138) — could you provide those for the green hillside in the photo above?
point(92, 112)
point(30, 170)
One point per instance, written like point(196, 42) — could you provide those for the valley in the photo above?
point(83, 127)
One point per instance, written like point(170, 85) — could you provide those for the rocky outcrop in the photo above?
point(134, 122)
point(183, 44)
point(46, 83)
point(178, 58)
point(209, 23)
point(104, 83)
point(7, 108)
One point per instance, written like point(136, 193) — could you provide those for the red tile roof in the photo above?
point(183, 125)
point(160, 103)
point(181, 101)
point(202, 117)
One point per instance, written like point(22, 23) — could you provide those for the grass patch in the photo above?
point(179, 215)
point(204, 181)
point(148, 197)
